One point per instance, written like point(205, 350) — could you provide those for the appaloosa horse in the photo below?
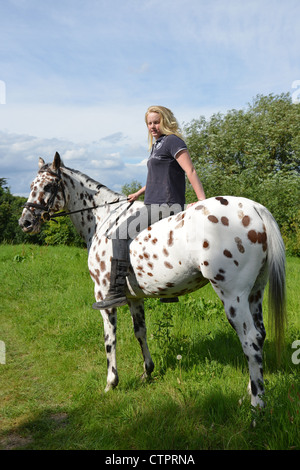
point(231, 242)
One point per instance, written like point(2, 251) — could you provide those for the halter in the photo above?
point(46, 216)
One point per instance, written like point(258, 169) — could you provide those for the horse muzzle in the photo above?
point(29, 223)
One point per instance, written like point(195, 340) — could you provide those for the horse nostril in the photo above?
point(25, 224)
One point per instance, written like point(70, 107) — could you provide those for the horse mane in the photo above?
point(91, 181)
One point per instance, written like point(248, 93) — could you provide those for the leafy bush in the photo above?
point(62, 232)
point(255, 154)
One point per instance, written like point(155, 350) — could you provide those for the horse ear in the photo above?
point(41, 163)
point(56, 162)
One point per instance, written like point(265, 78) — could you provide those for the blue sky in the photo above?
point(77, 76)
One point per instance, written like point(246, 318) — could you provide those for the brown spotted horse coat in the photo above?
point(231, 242)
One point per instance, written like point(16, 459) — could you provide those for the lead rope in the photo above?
point(64, 214)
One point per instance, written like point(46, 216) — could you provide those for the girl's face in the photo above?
point(153, 123)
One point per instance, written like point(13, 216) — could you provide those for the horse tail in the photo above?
point(277, 281)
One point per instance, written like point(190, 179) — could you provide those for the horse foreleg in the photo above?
point(140, 331)
point(110, 328)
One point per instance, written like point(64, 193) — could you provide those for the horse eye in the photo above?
point(47, 188)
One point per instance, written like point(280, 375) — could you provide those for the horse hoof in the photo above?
point(111, 386)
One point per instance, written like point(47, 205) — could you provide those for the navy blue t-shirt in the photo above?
point(166, 179)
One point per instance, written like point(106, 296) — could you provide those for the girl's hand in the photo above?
point(132, 197)
point(191, 204)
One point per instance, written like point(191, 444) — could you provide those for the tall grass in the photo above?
point(52, 385)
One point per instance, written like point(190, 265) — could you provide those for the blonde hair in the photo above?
point(168, 122)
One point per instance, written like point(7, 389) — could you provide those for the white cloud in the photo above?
point(74, 154)
point(108, 162)
point(113, 138)
point(109, 123)
point(19, 160)
point(79, 76)
point(142, 163)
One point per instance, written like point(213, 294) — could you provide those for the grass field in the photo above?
point(54, 375)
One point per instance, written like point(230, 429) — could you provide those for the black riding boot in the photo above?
point(116, 295)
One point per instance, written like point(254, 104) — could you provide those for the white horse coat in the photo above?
point(233, 243)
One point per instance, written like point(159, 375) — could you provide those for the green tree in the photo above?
point(10, 212)
point(252, 153)
point(130, 188)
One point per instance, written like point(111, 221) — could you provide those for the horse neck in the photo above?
point(83, 192)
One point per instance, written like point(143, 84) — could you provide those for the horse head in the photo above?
point(46, 197)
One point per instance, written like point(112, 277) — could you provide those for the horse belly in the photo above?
point(161, 264)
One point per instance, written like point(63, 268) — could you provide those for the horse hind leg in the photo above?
point(251, 335)
point(110, 328)
point(140, 331)
point(255, 300)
